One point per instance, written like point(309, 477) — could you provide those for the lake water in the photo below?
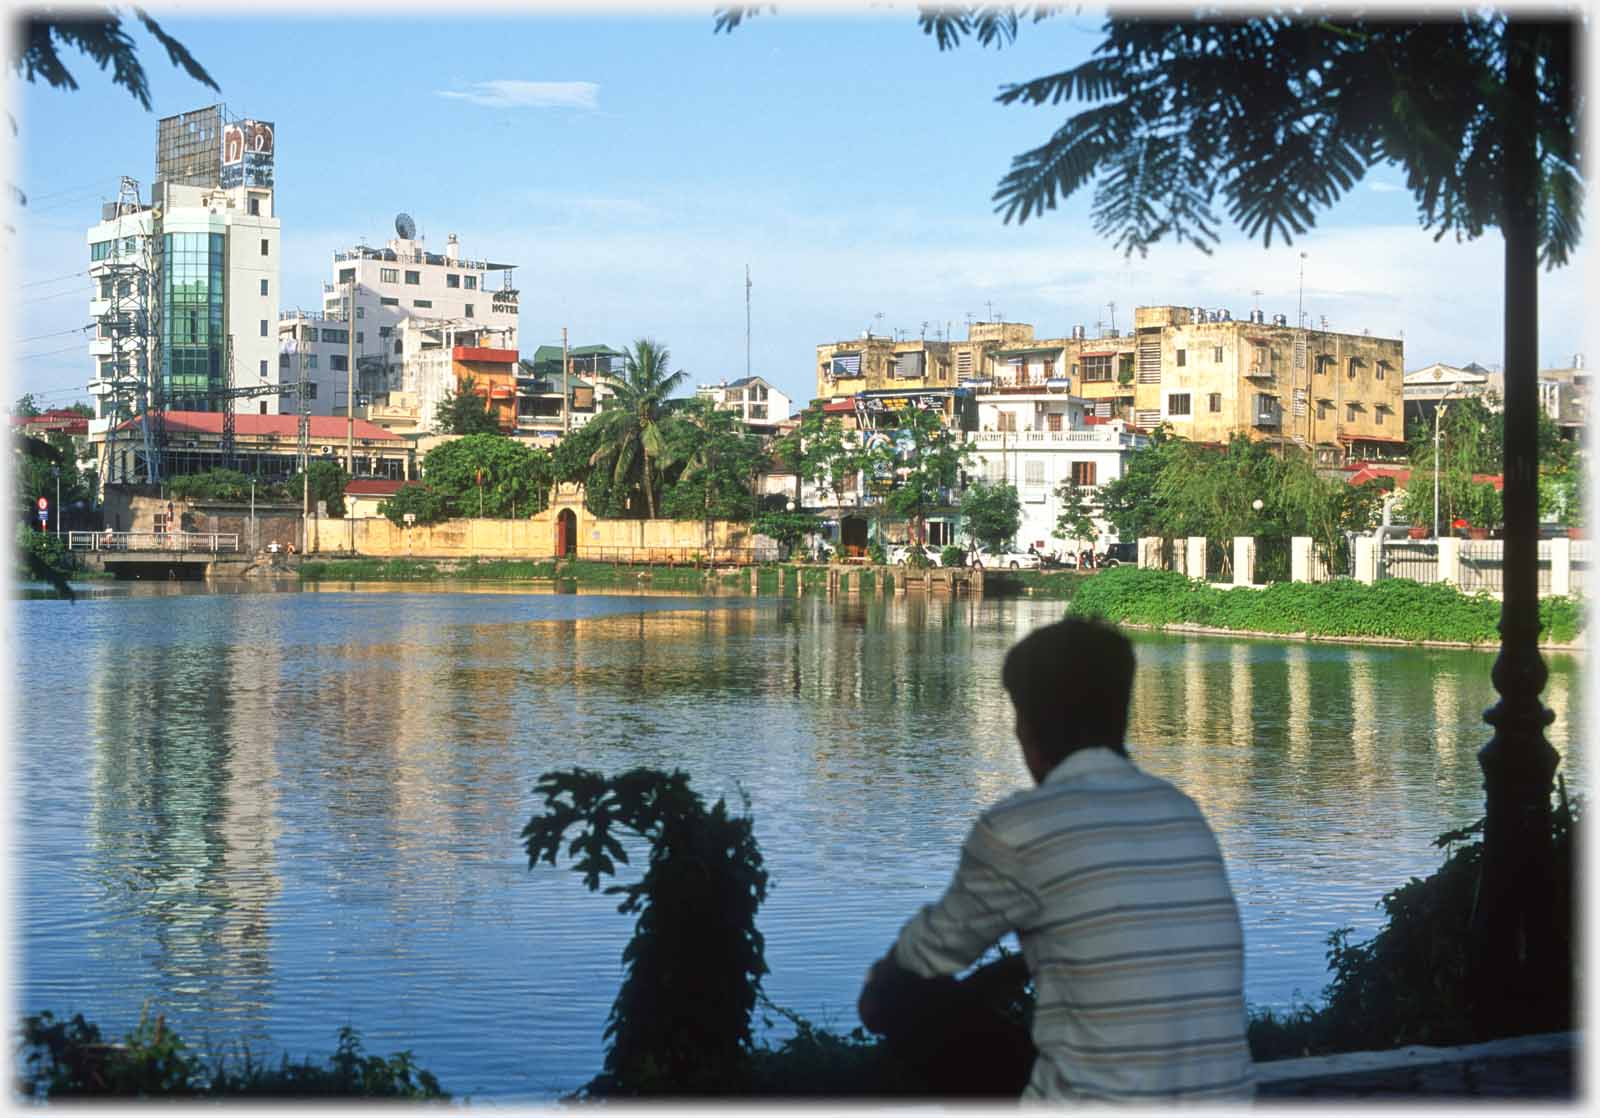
point(268, 815)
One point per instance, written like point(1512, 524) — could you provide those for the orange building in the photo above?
point(494, 375)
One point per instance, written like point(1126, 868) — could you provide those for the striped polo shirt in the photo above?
point(1115, 886)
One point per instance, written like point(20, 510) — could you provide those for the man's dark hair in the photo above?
point(1071, 682)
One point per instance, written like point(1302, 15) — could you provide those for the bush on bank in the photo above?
point(71, 1060)
point(1396, 608)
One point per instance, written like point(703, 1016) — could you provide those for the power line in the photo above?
point(53, 279)
point(57, 295)
point(50, 353)
point(57, 334)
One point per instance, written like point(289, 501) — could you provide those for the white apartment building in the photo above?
point(198, 262)
point(403, 298)
point(757, 401)
point(1035, 438)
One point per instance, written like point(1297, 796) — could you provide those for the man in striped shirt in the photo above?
point(1115, 887)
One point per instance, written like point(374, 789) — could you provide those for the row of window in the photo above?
point(1033, 472)
point(414, 278)
point(1180, 404)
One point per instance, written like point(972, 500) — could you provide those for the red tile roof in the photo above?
point(373, 487)
point(324, 428)
point(1371, 471)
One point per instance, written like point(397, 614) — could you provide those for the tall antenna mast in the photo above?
point(747, 320)
point(1112, 306)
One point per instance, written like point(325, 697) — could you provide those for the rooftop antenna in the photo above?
point(1300, 305)
point(877, 320)
point(924, 329)
point(1257, 293)
point(970, 316)
point(1112, 307)
point(990, 307)
point(747, 321)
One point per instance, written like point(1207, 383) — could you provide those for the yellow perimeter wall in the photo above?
point(535, 538)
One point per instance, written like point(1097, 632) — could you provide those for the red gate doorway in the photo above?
point(566, 533)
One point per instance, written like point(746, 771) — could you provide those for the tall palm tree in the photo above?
point(630, 431)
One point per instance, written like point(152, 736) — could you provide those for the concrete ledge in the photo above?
point(1539, 1066)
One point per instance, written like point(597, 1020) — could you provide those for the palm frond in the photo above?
point(177, 53)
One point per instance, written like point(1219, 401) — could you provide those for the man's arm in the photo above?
point(986, 899)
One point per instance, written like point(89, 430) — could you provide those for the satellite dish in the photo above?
point(405, 227)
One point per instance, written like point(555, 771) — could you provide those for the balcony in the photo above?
point(1100, 438)
point(1030, 382)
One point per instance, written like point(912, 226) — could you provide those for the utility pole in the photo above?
point(350, 383)
point(566, 390)
point(747, 321)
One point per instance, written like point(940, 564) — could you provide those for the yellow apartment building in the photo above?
point(1205, 374)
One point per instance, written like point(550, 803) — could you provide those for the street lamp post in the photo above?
point(56, 472)
point(1438, 413)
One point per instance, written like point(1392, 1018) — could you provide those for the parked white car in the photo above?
point(1014, 560)
point(898, 553)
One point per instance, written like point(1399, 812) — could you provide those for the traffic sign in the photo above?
point(44, 515)
point(44, 503)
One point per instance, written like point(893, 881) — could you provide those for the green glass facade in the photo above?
point(194, 340)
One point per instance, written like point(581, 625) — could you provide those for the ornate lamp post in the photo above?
point(1438, 413)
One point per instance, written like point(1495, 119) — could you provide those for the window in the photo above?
point(1183, 358)
point(1052, 421)
point(413, 278)
point(964, 364)
point(255, 207)
point(397, 345)
point(1383, 367)
point(335, 335)
point(1214, 401)
point(263, 368)
point(1083, 473)
point(338, 363)
point(386, 301)
point(360, 337)
point(385, 331)
point(470, 282)
point(1355, 363)
point(1125, 366)
point(311, 360)
point(311, 390)
point(1322, 409)
point(263, 327)
point(263, 407)
point(1324, 360)
point(264, 287)
point(1006, 421)
point(283, 360)
point(346, 276)
point(1178, 402)
point(389, 275)
point(1216, 354)
point(105, 287)
point(264, 244)
point(452, 280)
point(469, 310)
point(1097, 368)
point(422, 303)
point(1033, 472)
point(101, 250)
point(1378, 414)
point(361, 312)
point(1350, 413)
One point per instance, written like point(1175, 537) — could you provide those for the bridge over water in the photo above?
point(184, 555)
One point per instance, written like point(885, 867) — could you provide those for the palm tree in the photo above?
point(630, 434)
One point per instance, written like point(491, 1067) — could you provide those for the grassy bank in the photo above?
point(1396, 609)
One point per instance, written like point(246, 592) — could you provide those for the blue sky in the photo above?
point(632, 166)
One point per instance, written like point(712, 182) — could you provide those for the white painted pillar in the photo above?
point(1195, 560)
point(1244, 560)
point(1561, 566)
point(1300, 559)
point(1366, 559)
point(1449, 560)
point(1149, 552)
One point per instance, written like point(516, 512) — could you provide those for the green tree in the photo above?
point(1130, 501)
point(572, 462)
point(822, 452)
point(788, 528)
point(26, 406)
point(991, 514)
point(711, 461)
point(465, 411)
point(1076, 519)
point(425, 503)
point(328, 481)
point(628, 430)
point(926, 462)
point(489, 475)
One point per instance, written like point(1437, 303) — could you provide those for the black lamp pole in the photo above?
point(1521, 972)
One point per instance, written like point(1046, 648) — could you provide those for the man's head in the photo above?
point(1070, 684)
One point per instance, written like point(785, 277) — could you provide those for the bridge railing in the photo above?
point(212, 542)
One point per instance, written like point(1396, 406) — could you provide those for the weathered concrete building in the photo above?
point(1202, 372)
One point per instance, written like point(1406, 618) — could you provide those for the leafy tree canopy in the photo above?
point(630, 443)
point(427, 504)
point(512, 478)
point(465, 411)
point(711, 461)
point(100, 34)
point(991, 514)
point(328, 481)
point(26, 406)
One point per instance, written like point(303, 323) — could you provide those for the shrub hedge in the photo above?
point(1396, 608)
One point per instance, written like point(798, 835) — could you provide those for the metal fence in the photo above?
point(1580, 566)
point(1414, 559)
point(153, 541)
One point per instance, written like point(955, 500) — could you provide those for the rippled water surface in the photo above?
point(272, 814)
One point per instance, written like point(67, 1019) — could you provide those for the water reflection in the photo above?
point(276, 814)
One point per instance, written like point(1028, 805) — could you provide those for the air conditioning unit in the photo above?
point(327, 449)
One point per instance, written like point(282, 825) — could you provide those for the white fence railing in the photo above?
point(211, 542)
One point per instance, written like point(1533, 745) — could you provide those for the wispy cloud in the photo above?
point(506, 93)
point(1381, 187)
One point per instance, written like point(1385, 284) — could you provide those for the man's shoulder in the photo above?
point(1098, 781)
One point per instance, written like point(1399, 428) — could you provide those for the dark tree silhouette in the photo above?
point(35, 51)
